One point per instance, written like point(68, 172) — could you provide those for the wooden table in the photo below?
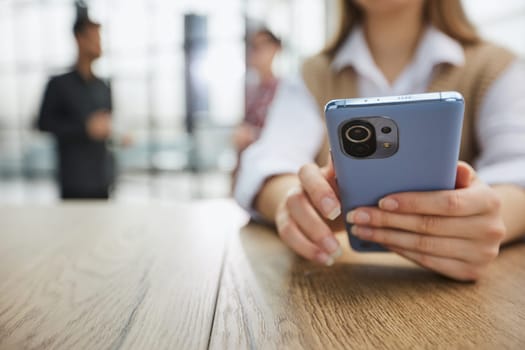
point(182, 276)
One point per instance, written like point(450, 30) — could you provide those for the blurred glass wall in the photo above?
point(143, 42)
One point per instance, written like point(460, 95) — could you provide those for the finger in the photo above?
point(449, 267)
point(478, 227)
point(328, 170)
point(473, 200)
point(319, 191)
point(294, 238)
point(465, 175)
point(328, 173)
point(312, 225)
point(454, 248)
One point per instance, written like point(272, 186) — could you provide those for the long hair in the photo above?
point(446, 15)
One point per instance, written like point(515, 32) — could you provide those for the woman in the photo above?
point(395, 47)
point(264, 46)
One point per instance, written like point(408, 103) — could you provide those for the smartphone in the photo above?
point(384, 145)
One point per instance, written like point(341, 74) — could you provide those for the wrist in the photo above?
point(273, 192)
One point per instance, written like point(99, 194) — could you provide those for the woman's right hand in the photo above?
point(302, 216)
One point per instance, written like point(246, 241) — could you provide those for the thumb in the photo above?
point(465, 175)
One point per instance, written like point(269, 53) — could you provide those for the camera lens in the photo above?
point(361, 150)
point(386, 129)
point(358, 138)
point(358, 133)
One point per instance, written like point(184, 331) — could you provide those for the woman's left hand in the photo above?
point(456, 233)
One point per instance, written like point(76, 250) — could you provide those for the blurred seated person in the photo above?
point(263, 47)
point(76, 109)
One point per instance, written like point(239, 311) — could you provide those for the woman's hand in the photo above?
point(300, 217)
point(456, 233)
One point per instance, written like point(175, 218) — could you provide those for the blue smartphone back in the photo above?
point(429, 135)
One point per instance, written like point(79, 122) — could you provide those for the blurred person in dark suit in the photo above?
point(76, 109)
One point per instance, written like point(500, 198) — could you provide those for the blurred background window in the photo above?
point(145, 52)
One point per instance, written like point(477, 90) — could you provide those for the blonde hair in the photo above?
point(446, 15)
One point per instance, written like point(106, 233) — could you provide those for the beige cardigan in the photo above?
point(484, 63)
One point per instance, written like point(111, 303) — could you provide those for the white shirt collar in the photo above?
point(434, 48)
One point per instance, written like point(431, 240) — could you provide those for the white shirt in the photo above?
point(294, 132)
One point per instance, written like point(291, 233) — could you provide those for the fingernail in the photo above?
point(330, 208)
point(330, 244)
point(388, 204)
point(337, 253)
point(334, 213)
point(357, 217)
point(325, 259)
point(361, 232)
point(281, 219)
point(294, 190)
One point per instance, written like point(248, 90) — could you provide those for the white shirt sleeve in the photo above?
point(291, 137)
point(501, 129)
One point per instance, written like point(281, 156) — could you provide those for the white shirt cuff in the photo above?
point(505, 172)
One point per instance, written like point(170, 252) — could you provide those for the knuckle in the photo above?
point(313, 182)
point(381, 218)
point(378, 236)
point(285, 230)
point(305, 170)
point(494, 201)
point(453, 202)
point(318, 193)
point(424, 243)
point(408, 202)
point(294, 199)
point(489, 253)
point(302, 170)
point(377, 218)
point(472, 273)
point(495, 232)
point(317, 233)
point(322, 234)
point(424, 260)
point(386, 237)
point(428, 224)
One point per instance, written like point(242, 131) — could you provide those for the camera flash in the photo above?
point(387, 144)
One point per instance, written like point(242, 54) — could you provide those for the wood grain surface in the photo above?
point(271, 299)
point(93, 276)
